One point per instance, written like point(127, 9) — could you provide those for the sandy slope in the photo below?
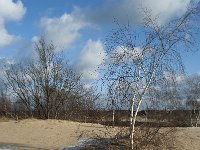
point(55, 134)
point(45, 134)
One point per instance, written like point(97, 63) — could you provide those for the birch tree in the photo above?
point(143, 54)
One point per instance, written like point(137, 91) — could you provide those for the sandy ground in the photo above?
point(45, 134)
point(188, 138)
point(32, 134)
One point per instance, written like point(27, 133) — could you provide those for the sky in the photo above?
point(78, 27)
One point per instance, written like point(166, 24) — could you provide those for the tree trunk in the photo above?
point(113, 117)
point(131, 125)
point(134, 117)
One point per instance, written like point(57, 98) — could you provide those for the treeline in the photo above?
point(47, 87)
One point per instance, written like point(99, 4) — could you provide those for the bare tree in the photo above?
point(6, 105)
point(142, 55)
point(47, 84)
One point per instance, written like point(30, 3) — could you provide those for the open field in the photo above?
point(35, 134)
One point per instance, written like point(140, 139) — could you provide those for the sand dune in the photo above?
point(43, 134)
point(35, 134)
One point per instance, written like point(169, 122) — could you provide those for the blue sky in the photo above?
point(79, 27)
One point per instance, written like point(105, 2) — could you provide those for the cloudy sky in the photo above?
point(79, 27)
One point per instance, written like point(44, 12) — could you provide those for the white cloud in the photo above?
point(91, 56)
point(87, 86)
point(132, 10)
point(5, 37)
point(180, 78)
point(122, 54)
point(5, 64)
point(9, 11)
point(171, 77)
point(165, 9)
point(63, 30)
